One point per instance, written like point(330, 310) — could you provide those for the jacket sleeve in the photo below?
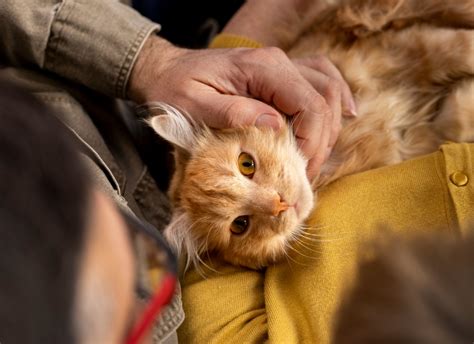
point(92, 42)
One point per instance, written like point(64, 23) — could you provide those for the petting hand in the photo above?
point(279, 23)
point(237, 87)
point(328, 81)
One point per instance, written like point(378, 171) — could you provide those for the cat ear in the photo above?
point(173, 126)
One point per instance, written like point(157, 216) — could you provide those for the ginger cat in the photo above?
point(242, 194)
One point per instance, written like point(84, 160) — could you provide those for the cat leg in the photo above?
point(455, 121)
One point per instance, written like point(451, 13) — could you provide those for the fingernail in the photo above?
point(267, 120)
point(349, 113)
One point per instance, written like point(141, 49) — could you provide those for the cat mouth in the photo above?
point(296, 207)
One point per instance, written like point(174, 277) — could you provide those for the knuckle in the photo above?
point(333, 87)
point(271, 53)
point(253, 52)
point(321, 106)
point(328, 123)
point(275, 51)
point(322, 61)
point(315, 104)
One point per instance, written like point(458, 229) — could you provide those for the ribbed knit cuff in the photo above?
point(225, 40)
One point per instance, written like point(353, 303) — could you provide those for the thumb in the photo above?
point(230, 111)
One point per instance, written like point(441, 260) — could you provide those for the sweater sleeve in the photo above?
point(227, 40)
point(94, 43)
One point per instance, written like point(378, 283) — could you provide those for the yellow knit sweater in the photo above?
point(294, 302)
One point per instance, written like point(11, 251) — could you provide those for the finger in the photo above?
point(331, 91)
point(314, 164)
point(313, 138)
point(324, 65)
point(230, 111)
point(278, 82)
point(333, 98)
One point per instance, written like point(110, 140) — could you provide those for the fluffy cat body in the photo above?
point(410, 66)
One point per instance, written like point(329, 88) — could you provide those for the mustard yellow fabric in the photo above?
point(225, 40)
point(295, 301)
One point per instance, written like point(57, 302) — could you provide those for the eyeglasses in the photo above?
point(157, 269)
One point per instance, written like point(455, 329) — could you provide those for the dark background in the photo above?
point(188, 23)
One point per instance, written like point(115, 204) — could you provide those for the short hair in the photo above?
point(412, 291)
point(44, 195)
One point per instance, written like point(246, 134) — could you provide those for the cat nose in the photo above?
point(279, 205)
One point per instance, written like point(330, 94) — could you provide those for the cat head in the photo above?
point(241, 194)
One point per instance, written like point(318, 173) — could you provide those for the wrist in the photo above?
point(249, 22)
point(153, 58)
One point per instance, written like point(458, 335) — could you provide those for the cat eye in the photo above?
point(246, 164)
point(240, 224)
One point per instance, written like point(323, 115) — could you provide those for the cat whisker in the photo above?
point(310, 241)
point(293, 260)
point(198, 263)
point(207, 239)
point(286, 257)
point(193, 255)
point(314, 227)
point(305, 247)
point(299, 238)
point(301, 254)
point(205, 248)
point(313, 235)
point(319, 239)
point(319, 235)
point(307, 230)
point(207, 266)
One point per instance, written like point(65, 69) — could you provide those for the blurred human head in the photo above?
point(65, 257)
point(411, 291)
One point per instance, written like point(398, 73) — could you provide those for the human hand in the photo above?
point(324, 76)
point(237, 87)
point(279, 23)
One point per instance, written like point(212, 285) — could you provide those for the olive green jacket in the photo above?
point(77, 55)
